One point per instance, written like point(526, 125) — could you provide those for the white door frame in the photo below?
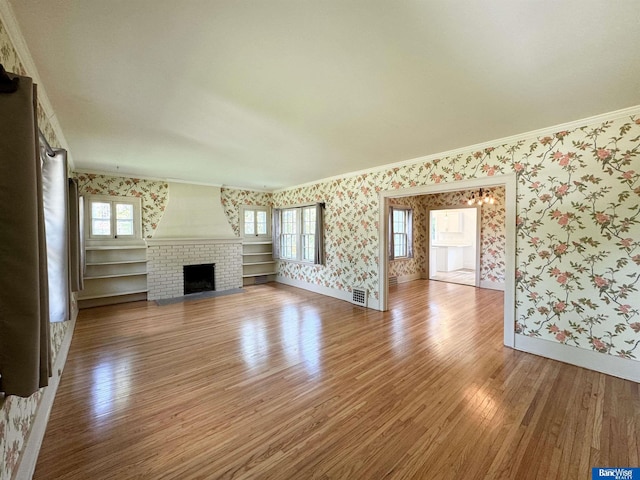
point(509, 182)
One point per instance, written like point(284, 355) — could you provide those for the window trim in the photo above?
point(318, 250)
point(113, 199)
point(408, 212)
point(256, 208)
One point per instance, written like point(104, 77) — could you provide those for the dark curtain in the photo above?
point(76, 269)
point(319, 235)
point(275, 233)
point(25, 361)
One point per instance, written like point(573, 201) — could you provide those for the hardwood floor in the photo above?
point(281, 383)
point(464, 276)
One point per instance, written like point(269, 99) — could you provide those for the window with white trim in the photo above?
point(401, 232)
point(297, 233)
point(113, 217)
point(255, 221)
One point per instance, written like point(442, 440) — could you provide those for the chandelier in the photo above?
point(481, 197)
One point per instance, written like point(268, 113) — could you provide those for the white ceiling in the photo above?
point(268, 94)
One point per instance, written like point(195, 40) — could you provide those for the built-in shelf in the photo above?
point(118, 275)
point(250, 275)
point(115, 273)
point(257, 261)
point(109, 295)
point(117, 247)
point(121, 262)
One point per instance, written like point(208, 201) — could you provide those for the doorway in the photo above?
point(509, 182)
point(453, 247)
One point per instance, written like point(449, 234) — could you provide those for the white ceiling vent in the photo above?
point(359, 296)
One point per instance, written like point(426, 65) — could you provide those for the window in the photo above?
point(400, 232)
point(113, 217)
point(255, 221)
point(308, 233)
point(298, 233)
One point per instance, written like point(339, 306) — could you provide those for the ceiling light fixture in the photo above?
point(480, 198)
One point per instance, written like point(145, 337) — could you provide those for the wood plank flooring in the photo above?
point(463, 276)
point(281, 383)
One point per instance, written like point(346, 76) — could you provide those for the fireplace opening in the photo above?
point(199, 278)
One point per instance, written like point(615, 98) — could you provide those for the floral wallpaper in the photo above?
point(577, 230)
point(16, 413)
point(154, 194)
point(415, 265)
point(232, 199)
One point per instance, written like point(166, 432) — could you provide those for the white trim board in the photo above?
point(27, 463)
point(509, 182)
point(608, 364)
point(328, 291)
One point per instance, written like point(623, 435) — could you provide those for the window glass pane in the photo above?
point(124, 211)
point(261, 222)
point(101, 210)
point(101, 227)
point(309, 220)
point(289, 222)
point(249, 222)
point(124, 227)
point(308, 247)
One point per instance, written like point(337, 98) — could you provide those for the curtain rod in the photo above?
point(45, 144)
point(10, 85)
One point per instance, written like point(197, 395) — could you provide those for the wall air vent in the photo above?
point(359, 296)
point(393, 281)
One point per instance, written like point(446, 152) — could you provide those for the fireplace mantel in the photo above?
point(192, 241)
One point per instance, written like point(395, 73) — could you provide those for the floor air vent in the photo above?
point(359, 296)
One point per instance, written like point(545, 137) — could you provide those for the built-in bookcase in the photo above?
point(114, 274)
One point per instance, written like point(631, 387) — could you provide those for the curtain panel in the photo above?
point(25, 359)
point(319, 235)
point(76, 267)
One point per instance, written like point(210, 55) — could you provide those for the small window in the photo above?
point(401, 234)
point(113, 217)
point(255, 221)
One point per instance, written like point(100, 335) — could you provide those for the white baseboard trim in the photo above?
point(328, 291)
point(491, 285)
point(609, 364)
point(409, 278)
point(27, 464)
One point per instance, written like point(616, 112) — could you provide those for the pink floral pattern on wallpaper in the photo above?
point(577, 230)
point(578, 238)
point(154, 194)
point(16, 414)
point(415, 265)
point(232, 199)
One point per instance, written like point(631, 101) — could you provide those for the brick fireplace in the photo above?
point(167, 257)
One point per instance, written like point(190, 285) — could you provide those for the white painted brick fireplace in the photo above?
point(167, 256)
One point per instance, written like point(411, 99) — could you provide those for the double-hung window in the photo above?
point(400, 232)
point(113, 217)
point(298, 233)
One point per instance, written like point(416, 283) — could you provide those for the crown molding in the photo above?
point(10, 22)
point(604, 117)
